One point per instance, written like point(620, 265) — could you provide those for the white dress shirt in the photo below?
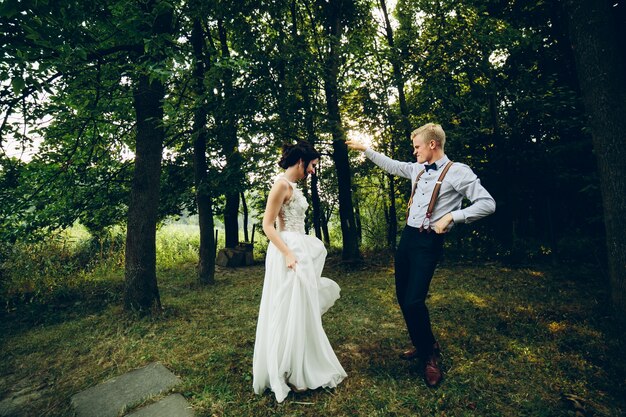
point(460, 182)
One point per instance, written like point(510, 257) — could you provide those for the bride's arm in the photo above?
point(279, 193)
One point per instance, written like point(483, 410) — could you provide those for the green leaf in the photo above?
point(18, 84)
point(8, 8)
point(82, 53)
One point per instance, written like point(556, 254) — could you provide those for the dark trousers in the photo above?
point(416, 258)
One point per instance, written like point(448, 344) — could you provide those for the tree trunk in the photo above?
point(230, 149)
point(324, 224)
point(349, 231)
point(601, 65)
point(397, 74)
point(307, 219)
point(305, 104)
point(285, 129)
point(357, 219)
point(231, 221)
point(246, 238)
point(204, 203)
point(141, 292)
point(398, 77)
point(392, 224)
point(315, 201)
point(312, 138)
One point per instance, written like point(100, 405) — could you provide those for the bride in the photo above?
point(291, 351)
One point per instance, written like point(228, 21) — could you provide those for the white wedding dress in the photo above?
point(291, 347)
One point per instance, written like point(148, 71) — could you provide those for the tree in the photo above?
point(601, 65)
point(398, 77)
point(141, 290)
point(303, 56)
point(204, 201)
point(66, 70)
point(227, 126)
point(334, 15)
point(396, 62)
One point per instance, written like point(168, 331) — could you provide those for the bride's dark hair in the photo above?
point(293, 153)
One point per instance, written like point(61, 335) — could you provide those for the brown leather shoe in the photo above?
point(411, 354)
point(408, 355)
point(432, 372)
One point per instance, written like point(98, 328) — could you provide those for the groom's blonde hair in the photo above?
point(431, 131)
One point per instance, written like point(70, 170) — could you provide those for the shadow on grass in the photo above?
point(383, 362)
point(84, 299)
point(550, 329)
point(93, 296)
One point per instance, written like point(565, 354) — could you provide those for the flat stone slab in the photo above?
point(112, 397)
point(174, 405)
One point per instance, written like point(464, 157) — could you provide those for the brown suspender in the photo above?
point(408, 207)
point(433, 197)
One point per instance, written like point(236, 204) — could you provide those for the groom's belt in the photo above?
point(421, 229)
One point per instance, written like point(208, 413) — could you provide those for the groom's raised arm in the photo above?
point(401, 169)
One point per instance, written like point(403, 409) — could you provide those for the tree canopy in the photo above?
point(235, 79)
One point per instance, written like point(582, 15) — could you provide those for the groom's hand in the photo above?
point(442, 225)
point(355, 144)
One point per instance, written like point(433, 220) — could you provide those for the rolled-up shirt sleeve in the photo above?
point(483, 204)
point(401, 169)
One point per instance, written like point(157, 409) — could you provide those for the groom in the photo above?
point(438, 188)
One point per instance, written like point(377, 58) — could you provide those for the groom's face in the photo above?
point(423, 151)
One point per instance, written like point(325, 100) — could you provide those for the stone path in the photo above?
point(121, 393)
point(172, 405)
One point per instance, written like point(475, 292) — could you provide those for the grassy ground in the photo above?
point(526, 341)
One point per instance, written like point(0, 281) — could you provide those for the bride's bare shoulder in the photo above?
point(281, 189)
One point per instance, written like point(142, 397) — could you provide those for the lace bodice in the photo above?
point(293, 211)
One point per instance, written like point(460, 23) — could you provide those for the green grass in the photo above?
point(515, 341)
